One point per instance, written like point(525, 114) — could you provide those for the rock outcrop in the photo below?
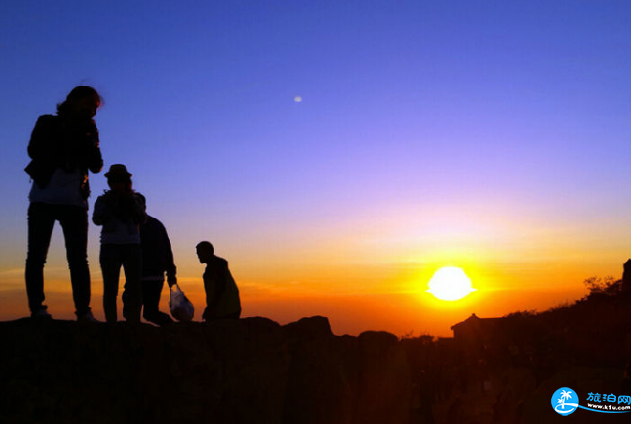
point(232, 371)
point(254, 370)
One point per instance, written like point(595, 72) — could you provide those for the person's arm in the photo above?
point(170, 263)
point(220, 283)
point(101, 211)
point(95, 159)
point(209, 288)
point(40, 145)
point(43, 150)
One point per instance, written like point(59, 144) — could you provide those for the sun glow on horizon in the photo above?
point(450, 283)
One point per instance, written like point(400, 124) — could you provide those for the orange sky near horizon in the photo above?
point(374, 297)
point(367, 273)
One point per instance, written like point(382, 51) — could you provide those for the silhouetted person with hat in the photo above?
point(120, 212)
point(222, 294)
point(157, 258)
point(63, 148)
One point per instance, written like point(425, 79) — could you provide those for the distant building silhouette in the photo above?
point(477, 330)
point(498, 339)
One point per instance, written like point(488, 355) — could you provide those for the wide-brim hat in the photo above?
point(117, 170)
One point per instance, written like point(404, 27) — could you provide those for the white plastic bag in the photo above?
point(181, 308)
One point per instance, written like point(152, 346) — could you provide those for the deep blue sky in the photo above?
point(429, 130)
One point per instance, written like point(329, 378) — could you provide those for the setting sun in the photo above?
point(450, 283)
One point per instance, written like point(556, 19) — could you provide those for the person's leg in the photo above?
point(40, 228)
point(110, 259)
point(151, 290)
point(234, 315)
point(74, 222)
point(132, 296)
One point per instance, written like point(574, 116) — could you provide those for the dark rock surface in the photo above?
point(234, 371)
point(254, 370)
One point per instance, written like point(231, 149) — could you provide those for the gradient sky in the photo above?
point(490, 135)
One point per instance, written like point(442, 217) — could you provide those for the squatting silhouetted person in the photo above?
point(120, 212)
point(222, 294)
point(63, 148)
point(157, 258)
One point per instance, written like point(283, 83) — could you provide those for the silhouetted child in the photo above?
point(222, 294)
point(120, 212)
point(157, 258)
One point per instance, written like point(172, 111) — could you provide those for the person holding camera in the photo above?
point(120, 212)
point(63, 149)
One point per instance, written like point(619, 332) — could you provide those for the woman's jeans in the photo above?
point(74, 223)
point(112, 257)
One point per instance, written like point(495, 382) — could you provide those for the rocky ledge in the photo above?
point(235, 371)
point(254, 370)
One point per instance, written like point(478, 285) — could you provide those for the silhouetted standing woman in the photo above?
point(63, 148)
point(120, 211)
